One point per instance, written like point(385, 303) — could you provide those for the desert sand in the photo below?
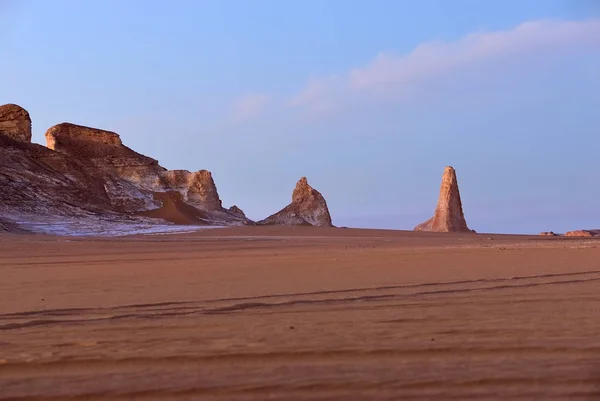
point(306, 313)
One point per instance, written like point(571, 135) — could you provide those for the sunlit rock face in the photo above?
point(15, 123)
point(88, 175)
point(105, 153)
point(448, 216)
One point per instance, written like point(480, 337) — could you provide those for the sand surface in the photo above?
point(270, 313)
point(175, 210)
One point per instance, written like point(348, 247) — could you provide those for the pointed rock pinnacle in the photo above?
point(308, 208)
point(448, 216)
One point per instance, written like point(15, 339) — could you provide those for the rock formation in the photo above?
point(35, 181)
point(582, 233)
point(101, 148)
point(132, 179)
point(237, 211)
point(308, 208)
point(548, 234)
point(448, 216)
point(197, 189)
point(87, 172)
point(15, 122)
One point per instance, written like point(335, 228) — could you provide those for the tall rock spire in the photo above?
point(448, 216)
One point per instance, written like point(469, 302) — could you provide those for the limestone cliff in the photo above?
point(36, 181)
point(89, 172)
point(197, 189)
point(308, 208)
point(132, 179)
point(448, 216)
point(101, 148)
point(126, 173)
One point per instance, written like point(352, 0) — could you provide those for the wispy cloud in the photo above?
point(316, 94)
point(249, 106)
point(435, 59)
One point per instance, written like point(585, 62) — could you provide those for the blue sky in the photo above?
point(368, 99)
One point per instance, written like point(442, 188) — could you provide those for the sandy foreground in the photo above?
point(299, 314)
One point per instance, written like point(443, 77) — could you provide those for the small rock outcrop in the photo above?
point(197, 189)
point(582, 233)
point(548, 234)
point(308, 208)
point(448, 216)
point(236, 211)
point(15, 122)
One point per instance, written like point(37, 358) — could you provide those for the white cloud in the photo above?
point(249, 106)
point(434, 59)
point(316, 94)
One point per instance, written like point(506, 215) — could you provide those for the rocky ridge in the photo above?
point(308, 208)
point(448, 216)
point(88, 173)
point(88, 176)
point(36, 180)
point(131, 178)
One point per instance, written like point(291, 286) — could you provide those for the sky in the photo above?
point(369, 100)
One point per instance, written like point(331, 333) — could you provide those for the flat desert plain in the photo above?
point(272, 313)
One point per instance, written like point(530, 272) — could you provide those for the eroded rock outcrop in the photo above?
point(15, 122)
point(448, 216)
point(88, 173)
point(237, 211)
point(102, 149)
point(308, 208)
point(36, 181)
point(132, 179)
point(126, 173)
point(582, 233)
point(197, 189)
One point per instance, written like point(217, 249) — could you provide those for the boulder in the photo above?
point(15, 122)
point(448, 216)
